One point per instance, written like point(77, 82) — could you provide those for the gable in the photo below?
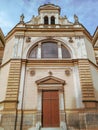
point(50, 80)
point(49, 7)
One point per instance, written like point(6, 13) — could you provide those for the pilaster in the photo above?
point(17, 50)
point(88, 95)
point(13, 85)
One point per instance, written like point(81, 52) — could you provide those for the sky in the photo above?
point(86, 10)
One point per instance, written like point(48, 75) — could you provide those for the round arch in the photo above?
point(52, 20)
point(46, 20)
point(53, 42)
point(40, 40)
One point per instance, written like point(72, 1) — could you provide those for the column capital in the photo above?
point(59, 44)
point(39, 44)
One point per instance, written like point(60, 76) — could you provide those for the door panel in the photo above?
point(55, 113)
point(50, 109)
point(46, 117)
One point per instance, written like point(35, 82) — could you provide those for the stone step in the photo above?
point(51, 128)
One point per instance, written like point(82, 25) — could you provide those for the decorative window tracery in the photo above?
point(49, 49)
point(65, 52)
point(33, 53)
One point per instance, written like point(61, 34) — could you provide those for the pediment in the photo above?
point(49, 7)
point(50, 80)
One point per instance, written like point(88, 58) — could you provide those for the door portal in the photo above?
point(50, 108)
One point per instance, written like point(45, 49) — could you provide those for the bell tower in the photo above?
point(49, 13)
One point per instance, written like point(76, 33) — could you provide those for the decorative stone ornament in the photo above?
point(50, 37)
point(22, 18)
point(50, 73)
point(68, 72)
point(76, 20)
point(28, 39)
point(70, 40)
point(32, 72)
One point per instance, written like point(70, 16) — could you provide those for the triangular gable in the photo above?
point(50, 80)
point(49, 7)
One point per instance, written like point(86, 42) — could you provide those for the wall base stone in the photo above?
point(74, 121)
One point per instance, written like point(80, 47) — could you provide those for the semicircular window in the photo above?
point(65, 52)
point(33, 53)
point(49, 50)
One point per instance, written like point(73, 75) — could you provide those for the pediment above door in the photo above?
point(50, 80)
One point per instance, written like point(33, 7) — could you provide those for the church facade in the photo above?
point(49, 74)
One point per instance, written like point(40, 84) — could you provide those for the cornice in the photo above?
point(14, 30)
point(66, 30)
point(2, 102)
point(7, 62)
point(86, 33)
point(95, 36)
point(2, 38)
point(94, 65)
point(96, 48)
point(47, 61)
point(2, 65)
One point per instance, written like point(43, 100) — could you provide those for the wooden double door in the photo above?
point(50, 108)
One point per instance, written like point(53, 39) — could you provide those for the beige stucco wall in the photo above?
point(94, 73)
point(3, 80)
point(31, 91)
point(90, 51)
point(8, 50)
point(96, 53)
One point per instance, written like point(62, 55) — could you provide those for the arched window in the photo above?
point(45, 20)
point(33, 53)
point(49, 50)
point(52, 20)
point(65, 52)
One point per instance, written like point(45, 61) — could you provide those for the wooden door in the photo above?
point(50, 109)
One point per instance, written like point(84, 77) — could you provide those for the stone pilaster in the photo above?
point(88, 95)
point(13, 85)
